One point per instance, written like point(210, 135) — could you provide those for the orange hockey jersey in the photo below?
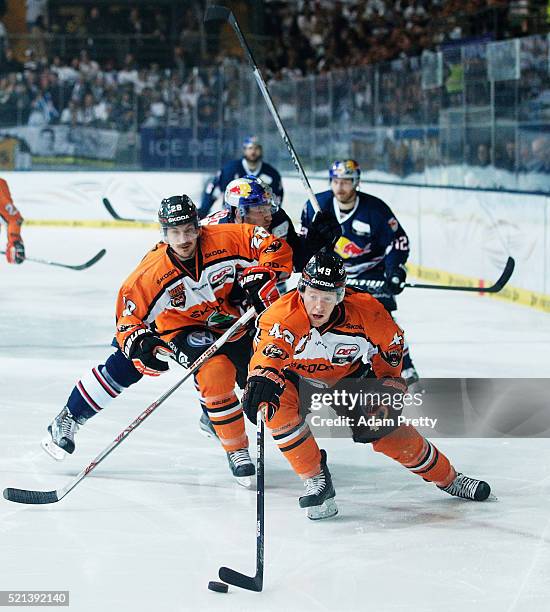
point(168, 296)
point(360, 328)
point(9, 213)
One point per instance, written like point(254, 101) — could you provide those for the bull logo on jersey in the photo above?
point(274, 246)
point(346, 248)
point(219, 277)
point(275, 352)
point(345, 353)
point(177, 296)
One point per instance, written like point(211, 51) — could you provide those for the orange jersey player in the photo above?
point(322, 333)
point(15, 249)
point(185, 292)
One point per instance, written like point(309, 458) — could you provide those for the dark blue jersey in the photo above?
point(372, 240)
point(237, 169)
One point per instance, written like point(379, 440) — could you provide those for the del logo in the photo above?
point(346, 248)
point(218, 277)
point(177, 296)
point(345, 353)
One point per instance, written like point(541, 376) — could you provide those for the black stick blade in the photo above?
point(216, 13)
point(240, 580)
point(111, 210)
point(505, 276)
point(22, 496)
point(91, 261)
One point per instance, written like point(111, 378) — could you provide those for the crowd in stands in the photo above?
point(158, 84)
point(320, 35)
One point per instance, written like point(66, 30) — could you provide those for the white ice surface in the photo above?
point(150, 527)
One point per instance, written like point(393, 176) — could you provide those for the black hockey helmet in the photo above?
point(177, 210)
point(325, 271)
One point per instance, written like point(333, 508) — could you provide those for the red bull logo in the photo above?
point(241, 189)
point(346, 248)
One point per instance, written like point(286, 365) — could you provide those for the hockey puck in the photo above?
point(219, 587)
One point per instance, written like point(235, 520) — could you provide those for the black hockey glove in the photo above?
point(323, 232)
point(263, 390)
point(144, 349)
point(395, 279)
point(260, 286)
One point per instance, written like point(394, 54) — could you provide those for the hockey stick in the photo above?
point(221, 13)
point(84, 266)
point(24, 496)
point(228, 575)
point(374, 285)
point(116, 216)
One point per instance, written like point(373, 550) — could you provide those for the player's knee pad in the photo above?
point(216, 377)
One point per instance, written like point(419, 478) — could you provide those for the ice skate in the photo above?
point(61, 441)
point(206, 427)
point(468, 488)
point(319, 497)
point(241, 466)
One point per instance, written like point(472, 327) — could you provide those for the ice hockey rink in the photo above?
point(153, 523)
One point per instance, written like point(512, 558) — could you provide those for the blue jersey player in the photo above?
point(251, 164)
point(373, 243)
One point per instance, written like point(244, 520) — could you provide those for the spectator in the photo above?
point(482, 155)
point(3, 38)
point(9, 63)
point(95, 25)
point(540, 155)
point(36, 13)
point(506, 159)
point(89, 116)
point(43, 110)
point(71, 114)
point(128, 73)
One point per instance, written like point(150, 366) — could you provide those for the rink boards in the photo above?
point(456, 235)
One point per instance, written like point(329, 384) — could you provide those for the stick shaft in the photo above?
point(271, 106)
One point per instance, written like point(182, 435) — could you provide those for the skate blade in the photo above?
point(326, 510)
point(244, 481)
point(52, 449)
